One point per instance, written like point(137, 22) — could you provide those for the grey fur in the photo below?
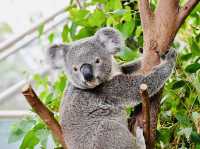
point(93, 116)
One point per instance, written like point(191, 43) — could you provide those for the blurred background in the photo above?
point(18, 19)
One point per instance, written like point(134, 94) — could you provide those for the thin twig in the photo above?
point(186, 9)
point(44, 113)
point(78, 3)
point(146, 113)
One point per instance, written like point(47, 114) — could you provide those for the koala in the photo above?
point(93, 108)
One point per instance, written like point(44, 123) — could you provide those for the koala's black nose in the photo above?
point(87, 71)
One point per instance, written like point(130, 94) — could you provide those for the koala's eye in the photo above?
point(75, 68)
point(97, 60)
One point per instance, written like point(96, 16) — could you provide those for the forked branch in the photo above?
point(44, 113)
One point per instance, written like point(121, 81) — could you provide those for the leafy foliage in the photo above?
point(32, 130)
point(179, 118)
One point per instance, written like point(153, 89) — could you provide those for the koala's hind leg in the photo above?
point(112, 135)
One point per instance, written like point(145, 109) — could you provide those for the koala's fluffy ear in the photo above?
point(55, 55)
point(110, 38)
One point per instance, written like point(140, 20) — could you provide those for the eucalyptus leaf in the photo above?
point(19, 129)
point(97, 18)
point(40, 29)
point(178, 84)
point(29, 141)
point(186, 57)
point(65, 33)
point(192, 68)
point(51, 38)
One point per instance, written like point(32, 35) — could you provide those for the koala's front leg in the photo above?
point(131, 67)
point(156, 79)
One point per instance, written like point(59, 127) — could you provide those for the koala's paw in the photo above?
point(169, 55)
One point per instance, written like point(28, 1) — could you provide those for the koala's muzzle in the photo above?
point(87, 71)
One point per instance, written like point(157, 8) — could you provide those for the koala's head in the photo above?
point(88, 62)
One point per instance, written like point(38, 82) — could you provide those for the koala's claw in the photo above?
point(163, 56)
point(171, 54)
point(168, 55)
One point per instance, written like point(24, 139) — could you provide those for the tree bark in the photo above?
point(146, 113)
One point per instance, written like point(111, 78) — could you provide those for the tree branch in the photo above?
point(146, 113)
point(145, 13)
point(44, 113)
point(78, 3)
point(185, 10)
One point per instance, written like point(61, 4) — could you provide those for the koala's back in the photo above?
point(89, 119)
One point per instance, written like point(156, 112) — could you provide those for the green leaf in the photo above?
point(40, 30)
point(138, 31)
point(30, 140)
point(60, 84)
point(99, 1)
point(126, 29)
point(72, 30)
point(19, 129)
point(65, 32)
point(128, 15)
point(42, 133)
point(15, 135)
point(51, 38)
point(183, 119)
point(195, 48)
point(164, 135)
point(195, 137)
point(84, 32)
point(178, 84)
point(129, 110)
point(113, 5)
point(97, 18)
point(186, 57)
point(197, 146)
point(46, 97)
point(79, 17)
point(127, 54)
point(41, 81)
point(192, 68)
